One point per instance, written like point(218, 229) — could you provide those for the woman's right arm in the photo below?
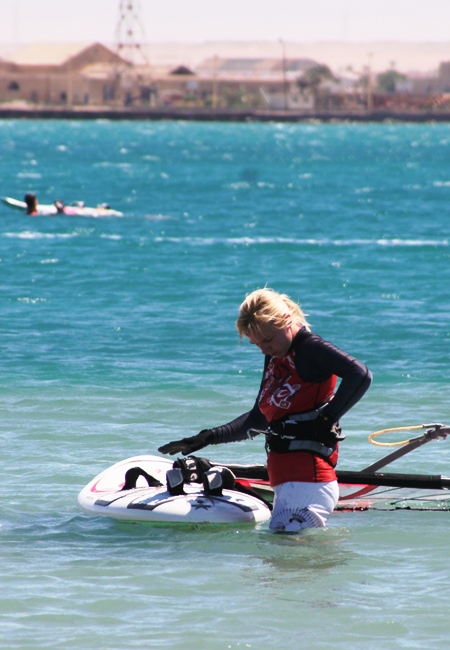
point(234, 431)
point(238, 429)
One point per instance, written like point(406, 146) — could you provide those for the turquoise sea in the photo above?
point(118, 335)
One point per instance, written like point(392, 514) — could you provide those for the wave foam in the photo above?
point(258, 241)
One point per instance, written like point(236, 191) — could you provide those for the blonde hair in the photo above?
point(267, 307)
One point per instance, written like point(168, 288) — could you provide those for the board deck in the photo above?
point(104, 496)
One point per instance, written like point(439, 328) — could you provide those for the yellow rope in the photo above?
point(392, 444)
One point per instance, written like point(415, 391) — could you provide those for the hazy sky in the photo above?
point(196, 21)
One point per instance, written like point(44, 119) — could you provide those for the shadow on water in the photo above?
point(311, 549)
point(317, 549)
point(67, 538)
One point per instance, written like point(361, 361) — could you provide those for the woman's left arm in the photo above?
point(324, 359)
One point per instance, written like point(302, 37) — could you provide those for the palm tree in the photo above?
point(387, 81)
point(312, 80)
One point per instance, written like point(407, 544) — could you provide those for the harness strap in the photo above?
point(305, 417)
point(310, 445)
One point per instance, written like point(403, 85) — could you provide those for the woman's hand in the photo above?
point(186, 446)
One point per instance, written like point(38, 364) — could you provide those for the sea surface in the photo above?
point(117, 334)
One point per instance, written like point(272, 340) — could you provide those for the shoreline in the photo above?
point(219, 115)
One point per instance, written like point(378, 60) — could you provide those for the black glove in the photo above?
point(187, 446)
point(327, 430)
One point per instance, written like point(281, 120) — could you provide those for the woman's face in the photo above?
point(273, 341)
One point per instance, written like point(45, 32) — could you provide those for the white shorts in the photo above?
point(302, 505)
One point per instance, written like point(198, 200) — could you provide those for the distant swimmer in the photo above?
point(34, 208)
point(60, 207)
point(32, 204)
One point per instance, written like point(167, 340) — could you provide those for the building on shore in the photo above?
point(59, 74)
point(71, 75)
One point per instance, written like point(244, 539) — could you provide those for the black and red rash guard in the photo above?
point(300, 382)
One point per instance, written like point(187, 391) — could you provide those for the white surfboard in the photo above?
point(104, 496)
point(76, 209)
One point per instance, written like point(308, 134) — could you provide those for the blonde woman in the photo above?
point(298, 408)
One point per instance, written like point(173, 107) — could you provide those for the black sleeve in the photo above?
point(238, 428)
point(318, 359)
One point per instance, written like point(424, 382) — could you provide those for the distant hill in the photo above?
point(404, 57)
